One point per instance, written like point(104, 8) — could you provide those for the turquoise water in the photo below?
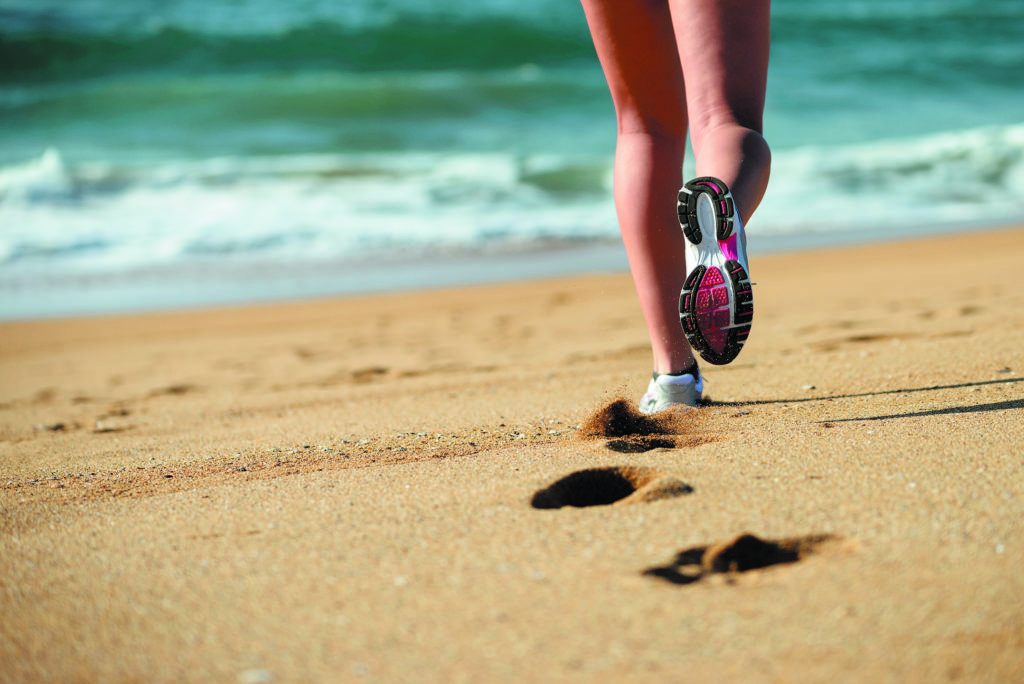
point(180, 140)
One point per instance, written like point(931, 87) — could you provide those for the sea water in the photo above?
point(162, 153)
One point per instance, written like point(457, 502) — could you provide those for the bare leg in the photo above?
point(723, 48)
point(647, 50)
point(637, 48)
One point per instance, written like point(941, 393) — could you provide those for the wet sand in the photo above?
point(351, 489)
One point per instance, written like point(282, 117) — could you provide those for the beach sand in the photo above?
point(344, 489)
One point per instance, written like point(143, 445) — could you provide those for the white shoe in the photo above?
point(716, 306)
point(672, 392)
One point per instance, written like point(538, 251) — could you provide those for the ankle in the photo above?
point(693, 369)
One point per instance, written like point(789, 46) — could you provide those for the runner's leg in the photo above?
point(637, 49)
point(723, 47)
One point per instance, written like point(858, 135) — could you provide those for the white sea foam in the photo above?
point(66, 221)
point(962, 177)
point(102, 216)
point(42, 179)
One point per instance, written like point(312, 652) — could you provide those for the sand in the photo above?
point(342, 490)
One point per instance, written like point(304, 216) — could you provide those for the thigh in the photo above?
point(636, 45)
point(723, 47)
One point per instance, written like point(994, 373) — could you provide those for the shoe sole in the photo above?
point(716, 305)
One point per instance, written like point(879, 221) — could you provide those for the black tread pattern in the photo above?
point(686, 208)
point(743, 314)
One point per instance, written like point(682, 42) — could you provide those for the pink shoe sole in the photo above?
point(716, 306)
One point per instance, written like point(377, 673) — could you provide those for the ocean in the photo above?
point(177, 153)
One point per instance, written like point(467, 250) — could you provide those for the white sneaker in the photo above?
point(716, 306)
point(672, 392)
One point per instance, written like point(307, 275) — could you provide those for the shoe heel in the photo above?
point(721, 199)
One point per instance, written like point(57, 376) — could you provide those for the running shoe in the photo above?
point(672, 392)
point(716, 306)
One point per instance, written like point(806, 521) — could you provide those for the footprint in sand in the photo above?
point(171, 390)
point(44, 396)
point(630, 431)
point(634, 432)
point(365, 375)
point(614, 485)
point(743, 554)
point(638, 445)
